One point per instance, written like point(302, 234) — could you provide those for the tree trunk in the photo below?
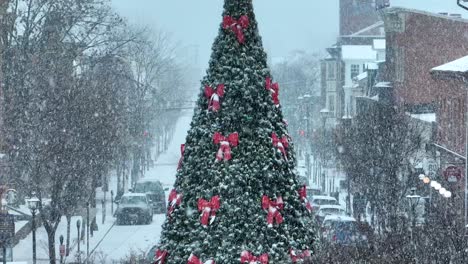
point(68, 234)
point(51, 243)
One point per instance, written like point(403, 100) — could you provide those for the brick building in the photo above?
point(418, 41)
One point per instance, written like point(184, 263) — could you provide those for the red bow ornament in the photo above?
point(274, 90)
point(214, 96)
point(195, 260)
point(174, 200)
point(303, 197)
point(225, 144)
point(182, 151)
point(247, 257)
point(208, 209)
point(281, 144)
point(295, 257)
point(160, 256)
point(237, 26)
point(273, 207)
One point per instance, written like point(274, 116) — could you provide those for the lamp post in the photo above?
point(78, 225)
point(323, 115)
point(33, 204)
point(308, 144)
point(87, 233)
point(413, 199)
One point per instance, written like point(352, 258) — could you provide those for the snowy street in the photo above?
point(116, 242)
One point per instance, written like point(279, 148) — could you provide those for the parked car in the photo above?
point(332, 209)
point(134, 208)
point(342, 230)
point(318, 200)
point(155, 190)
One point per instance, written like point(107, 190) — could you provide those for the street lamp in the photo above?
point(413, 199)
point(33, 204)
point(324, 113)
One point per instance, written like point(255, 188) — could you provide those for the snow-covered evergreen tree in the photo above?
point(236, 197)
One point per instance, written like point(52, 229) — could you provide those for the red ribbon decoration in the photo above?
point(237, 26)
point(273, 207)
point(174, 200)
point(282, 144)
point(225, 144)
point(208, 209)
point(247, 257)
point(213, 96)
point(160, 256)
point(297, 257)
point(195, 260)
point(274, 90)
point(182, 151)
point(303, 197)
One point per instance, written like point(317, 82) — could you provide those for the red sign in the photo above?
point(62, 250)
point(453, 174)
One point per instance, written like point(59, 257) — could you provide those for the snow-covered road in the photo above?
point(123, 239)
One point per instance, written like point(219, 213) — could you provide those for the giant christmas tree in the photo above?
point(236, 198)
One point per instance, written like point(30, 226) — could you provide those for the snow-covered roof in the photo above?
point(324, 197)
point(358, 52)
point(331, 206)
point(456, 66)
point(134, 194)
point(340, 218)
point(427, 117)
point(422, 6)
point(363, 31)
point(384, 85)
point(361, 76)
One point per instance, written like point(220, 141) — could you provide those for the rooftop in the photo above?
point(324, 197)
point(383, 85)
point(456, 68)
point(331, 206)
point(358, 52)
point(134, 194)
point(361, 76)
point(427, 11)
point(341, 218)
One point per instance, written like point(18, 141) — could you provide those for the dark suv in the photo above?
point(134, 208)
point(155, 191)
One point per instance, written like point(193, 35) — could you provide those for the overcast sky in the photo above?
point(285, 25)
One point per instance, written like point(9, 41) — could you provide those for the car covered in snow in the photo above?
point(319, 200)
point(155, 191)
point(331, 209)
point(134, 208)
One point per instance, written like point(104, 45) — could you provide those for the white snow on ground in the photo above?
point(117, 241)
point(123, 239)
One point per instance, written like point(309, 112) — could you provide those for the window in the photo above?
point(331, 71)
point(331, 103)
point(354, 70)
